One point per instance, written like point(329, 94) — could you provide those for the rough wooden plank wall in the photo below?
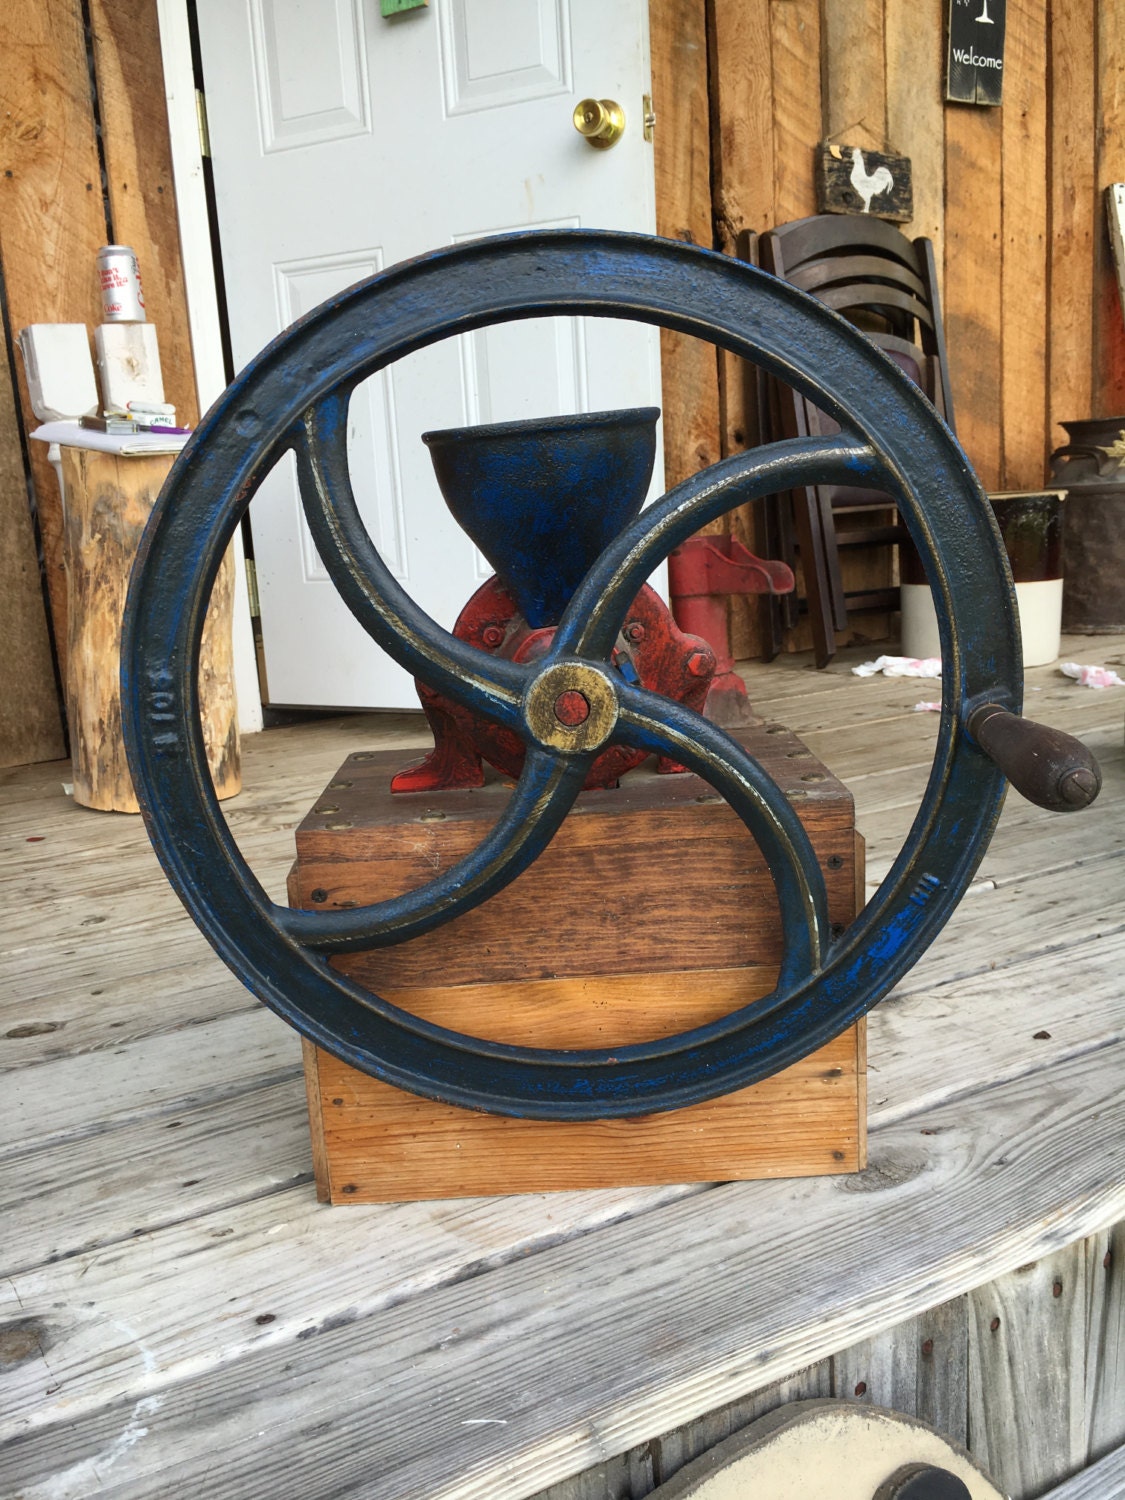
point(742, 152)
point(54, 215)
point(1011, 198)
point(973, 263)
point(142, 198)
point(854, 74)
point(1023, 268)
point(855, 79)
point(30, 712)
point(1109, 91)
point(767, 117)
point(915, 37)
point(1074, 228)
point(52, 218)
point(682, 142)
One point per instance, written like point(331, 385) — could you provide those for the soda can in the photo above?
point(119, 276)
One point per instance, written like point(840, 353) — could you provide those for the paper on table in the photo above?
point(128, 444)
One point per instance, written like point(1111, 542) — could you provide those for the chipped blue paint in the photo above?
point(293, 398)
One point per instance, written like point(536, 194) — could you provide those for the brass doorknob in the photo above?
point(601, 121)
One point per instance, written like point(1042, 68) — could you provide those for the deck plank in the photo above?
point(109, 1188)
point(248, 1340)
point(1104, 1480)
point(235, 1293)
point(502, 1384)
point(154, 1076)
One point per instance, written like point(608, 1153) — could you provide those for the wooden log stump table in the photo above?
point(108, 498)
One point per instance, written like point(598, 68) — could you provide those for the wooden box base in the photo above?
point(651, 912)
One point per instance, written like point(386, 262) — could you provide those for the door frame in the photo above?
point(203, 304)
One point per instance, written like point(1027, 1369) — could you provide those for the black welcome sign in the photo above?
point(974, 69)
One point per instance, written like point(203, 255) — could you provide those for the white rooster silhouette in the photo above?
point(869, 187)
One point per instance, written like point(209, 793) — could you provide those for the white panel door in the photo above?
point(343, 142)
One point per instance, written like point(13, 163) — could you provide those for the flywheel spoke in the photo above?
point(650, 722)
point(543, 796)
point(594, 615)
point(375, 597)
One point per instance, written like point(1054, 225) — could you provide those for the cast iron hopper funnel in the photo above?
point(541, 499)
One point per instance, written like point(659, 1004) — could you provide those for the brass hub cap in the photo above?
point(571, 706)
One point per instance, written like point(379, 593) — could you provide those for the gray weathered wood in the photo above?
point(156, 1075)
point(1027, 1355)
point(675, 1449)
point(250, 1341)
point(1006, 1176)
point(943, 1369)
point(881, 1370)
point(1104, 1480)
point(918, 1368)
point(1105, 1356)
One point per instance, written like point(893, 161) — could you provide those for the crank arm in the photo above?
point(1049, 768)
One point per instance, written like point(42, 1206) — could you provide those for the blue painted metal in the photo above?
point(294, 397)
point(542, 499)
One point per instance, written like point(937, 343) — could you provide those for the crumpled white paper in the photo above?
point(900, 666)
point(1091, 677)
point(927, 707)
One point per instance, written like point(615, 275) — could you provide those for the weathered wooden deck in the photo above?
point(178, 1315)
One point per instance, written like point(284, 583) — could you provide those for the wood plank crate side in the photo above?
point(583, 988)
point(382, 847)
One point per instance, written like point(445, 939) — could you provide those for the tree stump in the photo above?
point(107, 502)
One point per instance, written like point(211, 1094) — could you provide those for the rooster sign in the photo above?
point(853, 180)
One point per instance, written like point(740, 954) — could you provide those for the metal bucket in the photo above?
point(1091, 467)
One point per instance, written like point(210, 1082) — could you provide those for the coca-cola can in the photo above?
point(119, 276)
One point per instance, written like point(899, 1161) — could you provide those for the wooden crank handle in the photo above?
point(1050, 768)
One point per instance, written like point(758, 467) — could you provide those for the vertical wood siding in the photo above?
point(1011, 197)
point(55, 211)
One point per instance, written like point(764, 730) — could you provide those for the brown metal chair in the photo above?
point(868, 271)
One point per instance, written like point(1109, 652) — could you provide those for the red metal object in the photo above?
point(701, 573)
point(651, 650)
